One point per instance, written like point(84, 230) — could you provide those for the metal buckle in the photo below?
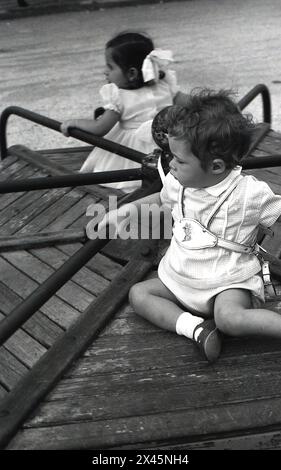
point(268, 285)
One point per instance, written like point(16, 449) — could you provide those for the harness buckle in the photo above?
point(268, 285)
point(269, 288)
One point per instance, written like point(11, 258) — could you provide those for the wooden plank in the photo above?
point(56, 309)
point(39, 326)
point(63, 153)
point(85, 278)
point(152, 392)
point(173, 426)
point(256, 441)
point(23, 285)
point(53, 168)
point(11, 369)
point(10, 166)
point(52, 206)
point(36, 159)
point(33, 207)
point(121, 354)
point(50, 368)
point(39, 272)
point(271, 144)
point(66, 219)
point(70, 157)
point(81, 221)
point(15, 214)
point(99, 264)
point(260, 131)
point(60, 312)
point(24, 347)
point(9, 160)
point(10, 198)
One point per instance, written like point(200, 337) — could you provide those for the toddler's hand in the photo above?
point(117, 219)
point(66, 125)
point(110, 218)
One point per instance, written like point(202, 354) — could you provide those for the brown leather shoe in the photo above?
point(209, 340)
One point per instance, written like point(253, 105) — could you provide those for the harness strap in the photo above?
point(233, 246)
point(160, 170)
point(221, 200)
point(268, 284)
point(222, 242)
point(218, 204)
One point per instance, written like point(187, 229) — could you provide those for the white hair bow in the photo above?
point(155, 61)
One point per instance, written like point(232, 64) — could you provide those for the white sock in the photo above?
point(186, 323)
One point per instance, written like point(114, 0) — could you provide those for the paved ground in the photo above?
point(24, 8)
point(54, 64)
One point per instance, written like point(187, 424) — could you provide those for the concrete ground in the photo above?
point(53, 64)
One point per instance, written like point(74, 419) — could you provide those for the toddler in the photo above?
point(209, 280)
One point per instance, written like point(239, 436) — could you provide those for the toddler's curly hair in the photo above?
point(213, 125)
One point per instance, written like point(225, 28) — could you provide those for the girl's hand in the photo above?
point(66, 125)
point(98, 127)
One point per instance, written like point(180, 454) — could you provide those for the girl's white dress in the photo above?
point(135, 107)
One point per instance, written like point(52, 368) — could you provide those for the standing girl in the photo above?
point(137, 88)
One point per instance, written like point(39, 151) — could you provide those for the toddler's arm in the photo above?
point(120, 217)
point(99, 127)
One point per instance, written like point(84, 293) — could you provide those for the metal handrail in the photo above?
point(87, 137)
point(73, 180)
point(262, 90)
point(106, 144)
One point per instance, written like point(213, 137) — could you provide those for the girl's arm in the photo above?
point(99, 127)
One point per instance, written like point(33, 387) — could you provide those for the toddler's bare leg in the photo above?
point(155, 302)
point(235, 316)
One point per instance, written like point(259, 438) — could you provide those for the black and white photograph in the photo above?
point(140, 230)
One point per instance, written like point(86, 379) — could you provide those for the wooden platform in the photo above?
point(135, 386)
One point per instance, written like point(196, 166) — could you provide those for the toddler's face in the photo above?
point(113, 72)
point(185, 167)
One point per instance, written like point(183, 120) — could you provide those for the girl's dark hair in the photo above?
point(213, 125)
point(129, 49)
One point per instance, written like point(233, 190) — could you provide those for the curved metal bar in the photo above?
point(250, 163)
point(63, 181)
point(105, 144)
point(252, 94)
